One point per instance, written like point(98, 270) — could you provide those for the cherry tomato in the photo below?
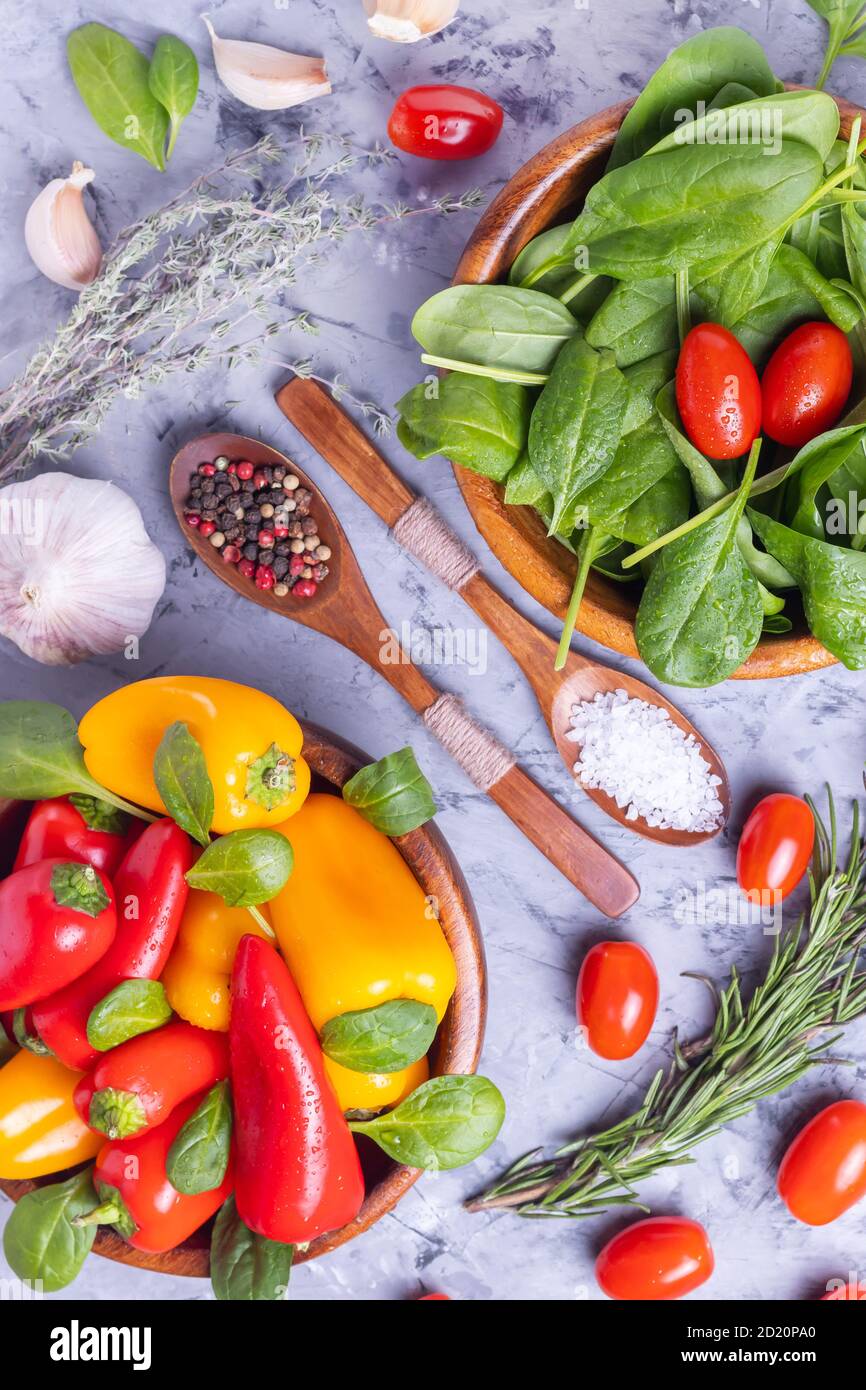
point(661, 1258)
point(823, 1173)
point(855, 1292)
point(718, 393)
point(617, 998)
point(775, 847)
point(806, 384)
point(434, 1298)
point(445, 122)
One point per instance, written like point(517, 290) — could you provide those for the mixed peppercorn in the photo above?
point(258, 517)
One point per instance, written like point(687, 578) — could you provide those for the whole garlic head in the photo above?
point(59, 234)
point(79, 575)
point(407, 21)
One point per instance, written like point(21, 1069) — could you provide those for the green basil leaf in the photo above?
point(41, 756)
point(131, 1008)
point(181, 776)
point(112, 80)
point(392, 794)
point(173, 80)
point(245, 1267)
point(40, 1242)
point(474, 421)
point(386, 1038)
point(446, 1123)
point(245, 867)
point(496, 326)
point(98, 815)
point(199, 1157)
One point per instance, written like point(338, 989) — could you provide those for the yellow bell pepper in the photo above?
point(359, 1091)
point(356, 930)
point(252, 746)
point(197, 975)
point(40, 1129)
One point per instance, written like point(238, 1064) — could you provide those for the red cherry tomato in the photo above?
point(824, 1171)
point(434, 1298)
point(445, 122)
point(775, 847)
point(718, 393)
point(855, 1292)
point(663, 1257)
point(617, 998)
point(806, 384)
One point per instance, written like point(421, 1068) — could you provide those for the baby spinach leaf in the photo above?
point(41, 757)
point(644, 493)
point(832, 581)
point(173, 80)
point(810, 117)
point(701, 616)
point(245, 867)
point(245, 1267)
point(40, 1242)
point(637, 320)
point(696, 71)
point(131, 1008)
point(392, 794)
point(112, 79)
point(182, 780)
point(523, 487)
point(844, 18)
point(494, 326)
point(473, 421)
point(645, 380)
point(835, 461)
point(543, 249)
point(386, 1038)
point(199, 1157)
point(445, 1123)
point(576, 424)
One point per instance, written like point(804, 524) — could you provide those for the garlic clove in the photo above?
point(407, 21)
point(79, 575)
point(267, 78)
point(59, 234)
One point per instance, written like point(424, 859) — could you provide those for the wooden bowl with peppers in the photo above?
point(132, 1026)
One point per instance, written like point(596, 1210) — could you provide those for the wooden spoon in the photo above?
point(347, 449)
point(344, 609)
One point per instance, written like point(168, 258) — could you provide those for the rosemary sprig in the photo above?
point(813, 984)
point(179, 286)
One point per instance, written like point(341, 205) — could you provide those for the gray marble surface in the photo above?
point(549, 63)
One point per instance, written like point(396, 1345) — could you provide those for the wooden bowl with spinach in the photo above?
point(560, 338)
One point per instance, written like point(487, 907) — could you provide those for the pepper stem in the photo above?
point(106, 1214)
point(119, 1114)
point(262, 922)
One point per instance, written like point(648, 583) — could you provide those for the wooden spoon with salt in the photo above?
point(335, 436)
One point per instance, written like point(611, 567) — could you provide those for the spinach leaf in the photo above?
point(832, 581)
point(701, 616)
point(198, 1159)
point(245, 1267)
point(473, 421)
point(645, 380)
point(386, 1038)
point(701, 67)
point(637, 320)
point(41, 756)
point(835, 461)
point(496, 326)
point(645, 492)
point(245, 867)
point(182, 780)
point(523, 487)
point(445, 1123)
point(845, 18)
point(173, 80)
point(537, 267)
point(131, 1008)
point(40, 1241)
point(392, 794)
point(576, 424)
point(112, 79)
point(810, 117)
point(788, 299)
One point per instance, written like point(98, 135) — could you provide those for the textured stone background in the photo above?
point(550, 64)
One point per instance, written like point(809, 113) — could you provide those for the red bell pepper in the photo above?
point(151, 891)
point(137, 1085)
point(57, 919)
point(135, 1193)
point(90, 833)
point(298, 1174)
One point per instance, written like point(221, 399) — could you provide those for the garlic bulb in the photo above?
point(267, 78)
point(59, 235)
point(407, 21)
point(79, 575)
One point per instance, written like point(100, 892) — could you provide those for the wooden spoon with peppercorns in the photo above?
point(340, 605)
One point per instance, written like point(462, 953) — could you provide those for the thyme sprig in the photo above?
point(814, 983)
point(179, 288)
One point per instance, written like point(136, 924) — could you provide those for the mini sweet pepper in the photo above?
point(198, 973)
point(251, 743)
point(40, 1129)
point(357, 930)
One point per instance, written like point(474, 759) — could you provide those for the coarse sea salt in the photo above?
point(633, 751)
